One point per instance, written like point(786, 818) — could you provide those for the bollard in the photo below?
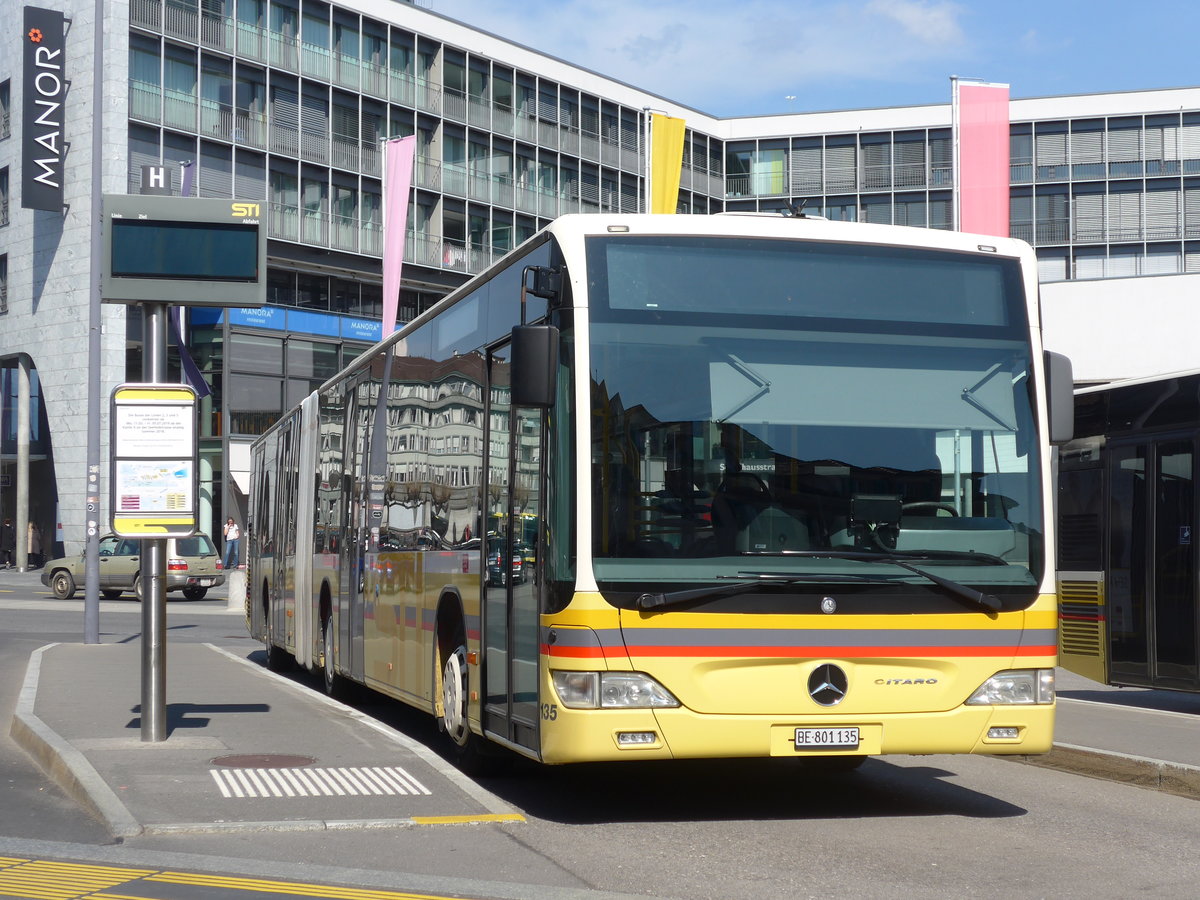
point(235, 579)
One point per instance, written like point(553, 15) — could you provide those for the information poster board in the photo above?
point(154, 460)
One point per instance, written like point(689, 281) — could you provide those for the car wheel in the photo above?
point(194, 593)
point(63, 584)
point(137, 588)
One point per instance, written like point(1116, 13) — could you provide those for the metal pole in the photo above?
point(154, 556)
point(22, 548)
point(91, 562)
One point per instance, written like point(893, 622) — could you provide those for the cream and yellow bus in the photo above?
point(787, 483)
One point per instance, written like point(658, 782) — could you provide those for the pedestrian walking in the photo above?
point(233, 538)
point(34, 546)
point(8, 543)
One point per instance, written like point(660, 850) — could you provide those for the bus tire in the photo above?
point(472, 754)
point(335, 686)
point(455, 690)
point(278, 659)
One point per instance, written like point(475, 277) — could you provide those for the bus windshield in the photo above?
point(757, 401)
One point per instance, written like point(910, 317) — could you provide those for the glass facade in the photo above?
point(287, 103)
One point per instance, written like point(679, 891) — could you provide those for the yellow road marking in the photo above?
point(465, 820)
point(49, 880)
point(62, 881)
point(286, 887)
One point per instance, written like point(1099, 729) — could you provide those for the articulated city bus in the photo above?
point(782, 485)
point(1127, 514)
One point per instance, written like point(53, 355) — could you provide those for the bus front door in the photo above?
point(1152, 564)
point(512, 580)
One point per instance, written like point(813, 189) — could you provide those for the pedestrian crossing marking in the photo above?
point(343, 781)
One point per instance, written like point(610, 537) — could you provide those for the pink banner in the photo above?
point(983, 168)
point(397, 181)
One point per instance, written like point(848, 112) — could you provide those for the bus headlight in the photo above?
point(610, 690)
point(1015, 687)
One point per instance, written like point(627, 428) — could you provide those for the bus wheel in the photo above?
point(454, 697)
point(278, 659)
point(335, 685)
point(471, 753)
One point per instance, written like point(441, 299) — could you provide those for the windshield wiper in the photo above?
point(968, 556)
point(988, 602)
point(654, 601)
point(974, 598)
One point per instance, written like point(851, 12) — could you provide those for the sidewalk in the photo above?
point(1135, 735)
point(245, 749)
point(249, 750)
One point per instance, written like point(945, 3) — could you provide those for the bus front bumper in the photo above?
point(602, 734)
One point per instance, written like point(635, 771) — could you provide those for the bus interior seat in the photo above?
point(773, 530)
point(745, 518)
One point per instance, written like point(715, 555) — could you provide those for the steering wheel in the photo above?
point(930, 504)
point(759, 485)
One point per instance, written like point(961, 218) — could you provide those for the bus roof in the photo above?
point(771, 225)
point(1136, 381)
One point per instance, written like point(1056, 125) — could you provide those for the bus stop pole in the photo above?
point(154, 556)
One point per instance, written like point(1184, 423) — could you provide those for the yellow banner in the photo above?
point(666, 160)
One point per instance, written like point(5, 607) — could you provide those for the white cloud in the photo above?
point(728, 59)
point(930, 23)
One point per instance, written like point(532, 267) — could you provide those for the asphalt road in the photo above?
point(935, 827)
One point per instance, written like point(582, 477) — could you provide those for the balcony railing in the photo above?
point(251, 41)
point(179, 110)
point(284, 51)
point(146, 14)
point(241, 126)
point(145, 102)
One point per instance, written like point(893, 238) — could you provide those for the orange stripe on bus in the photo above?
point(795, 652)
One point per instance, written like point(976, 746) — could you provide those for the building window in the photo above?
point(4, 196)
point(3, 283)
point(5, 94)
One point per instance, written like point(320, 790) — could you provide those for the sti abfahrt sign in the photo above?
point(42, 145)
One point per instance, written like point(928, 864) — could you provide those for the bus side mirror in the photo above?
point(1060, 397)
point(534, 365)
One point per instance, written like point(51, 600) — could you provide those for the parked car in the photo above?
point(497, 573)
point(193, 566)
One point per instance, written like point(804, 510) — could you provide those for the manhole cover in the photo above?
point(264, 761)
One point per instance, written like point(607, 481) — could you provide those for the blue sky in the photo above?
point(748, 58)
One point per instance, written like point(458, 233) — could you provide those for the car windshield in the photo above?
point(887, 413)
point(196, 545)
